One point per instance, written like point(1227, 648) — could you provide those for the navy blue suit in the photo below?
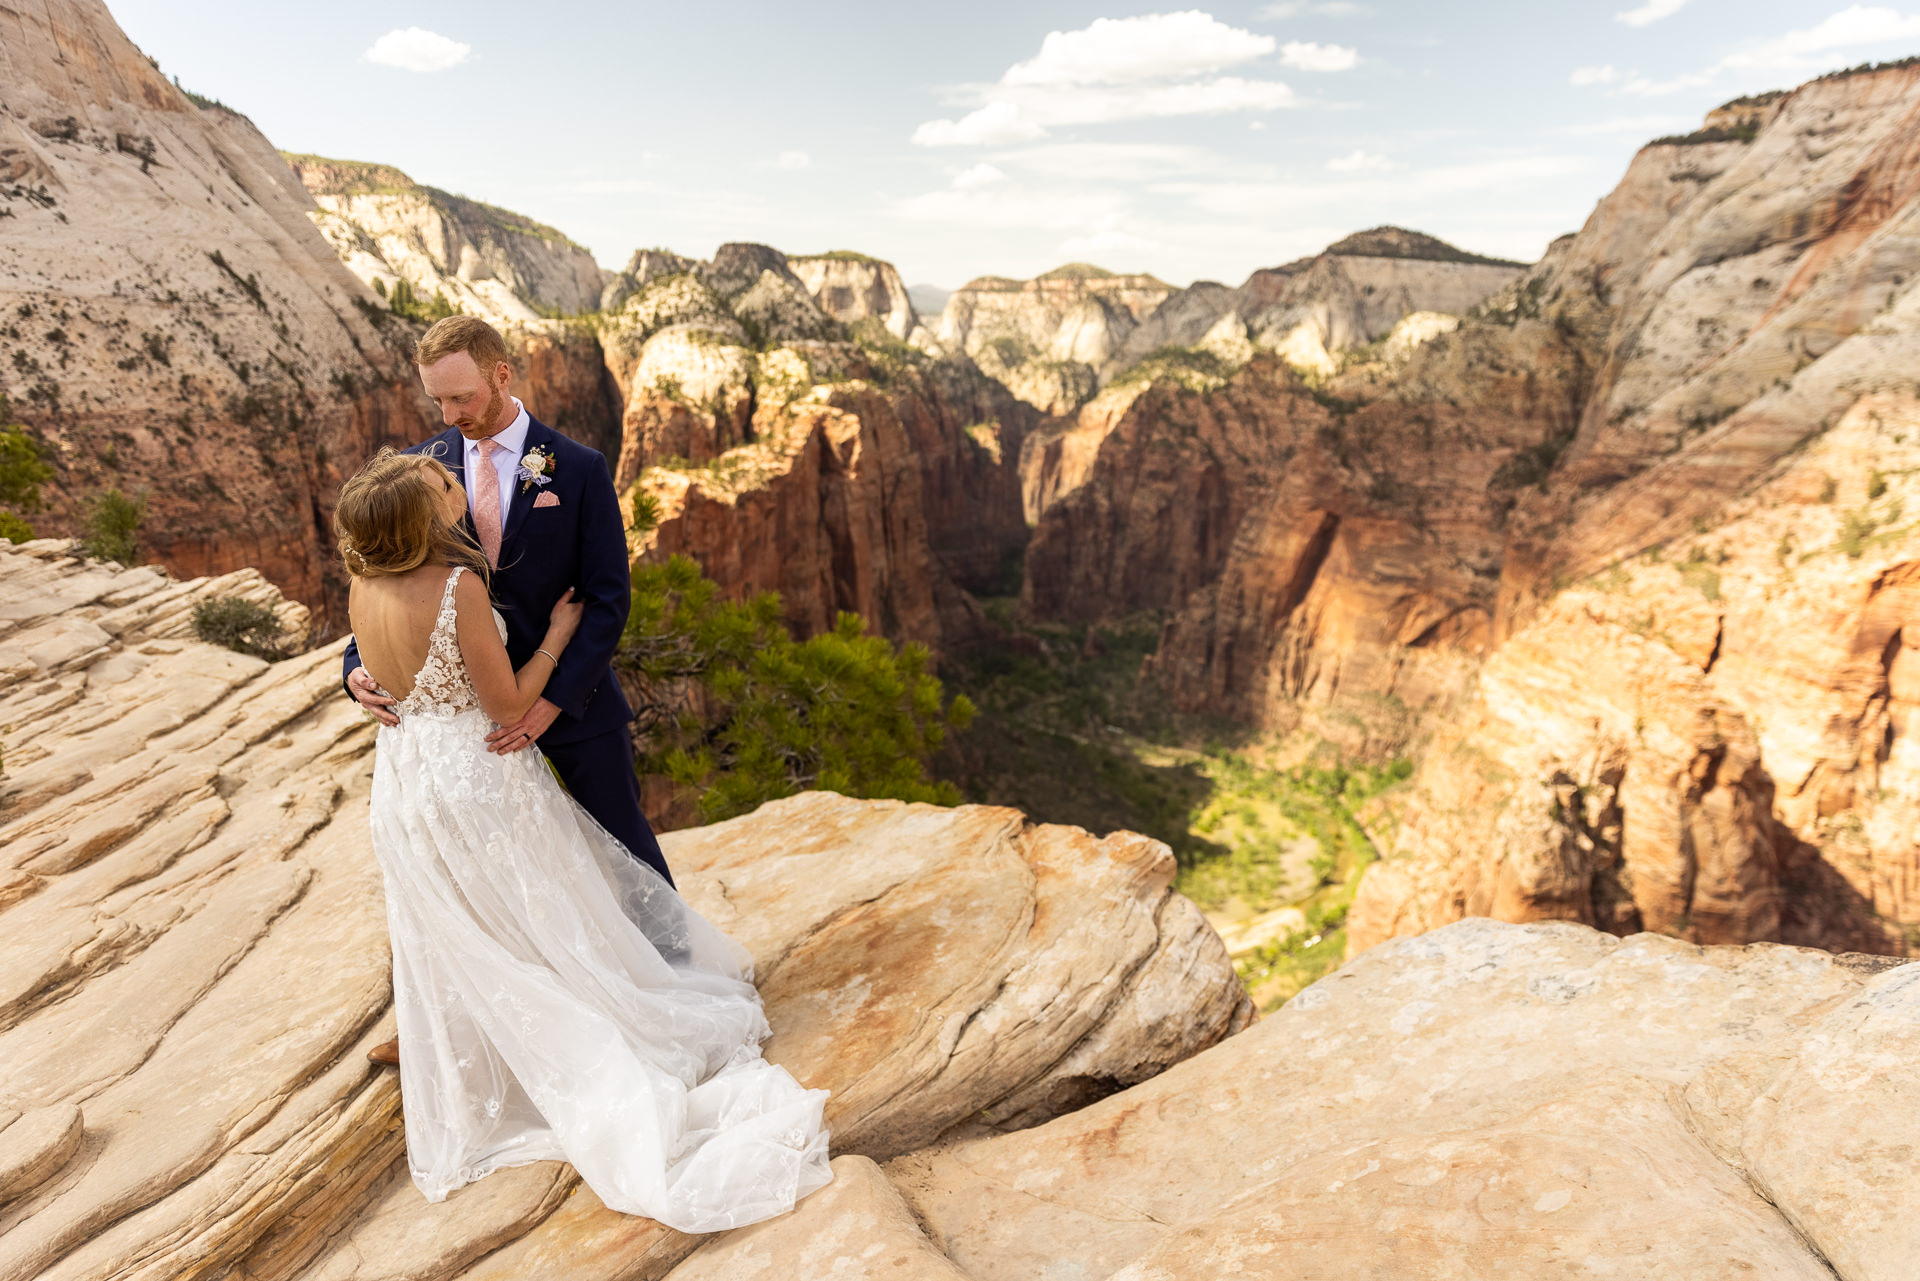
point(580, 543)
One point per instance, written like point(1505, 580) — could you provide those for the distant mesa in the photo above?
point(1399, 242)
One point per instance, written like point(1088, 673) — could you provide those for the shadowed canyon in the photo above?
point(1386, 591)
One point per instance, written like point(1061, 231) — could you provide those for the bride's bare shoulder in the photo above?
point(470, 592)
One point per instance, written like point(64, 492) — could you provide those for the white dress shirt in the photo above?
point(506, 460)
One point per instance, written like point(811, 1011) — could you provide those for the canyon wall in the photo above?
point(171, 324)
point(429, 252)
point(1619, 552)
point(1059, 338)
point(844, 469)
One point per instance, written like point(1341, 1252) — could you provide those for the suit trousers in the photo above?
point(599, 772)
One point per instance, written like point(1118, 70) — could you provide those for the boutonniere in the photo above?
point(536, 468)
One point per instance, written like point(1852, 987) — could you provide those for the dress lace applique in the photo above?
point(441, 687)
point(557, 1000)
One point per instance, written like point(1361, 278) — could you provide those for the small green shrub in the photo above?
point(112, 524)
point(735, 710)
point(15, 530)
point(21, 475)
point(643, 512)
point(404, 302)
point(241, 625)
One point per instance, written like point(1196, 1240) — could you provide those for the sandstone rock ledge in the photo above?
point(193, 962)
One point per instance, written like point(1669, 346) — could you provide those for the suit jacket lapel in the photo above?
point(539, 436)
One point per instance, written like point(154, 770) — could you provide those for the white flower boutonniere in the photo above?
point(536, 468)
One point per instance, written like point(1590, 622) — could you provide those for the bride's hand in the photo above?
point(565, 620)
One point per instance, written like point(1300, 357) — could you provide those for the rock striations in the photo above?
point(1057, 339)
point(171, 324)
point(193, 964)
point(1040, 1057)
point(427, 251)
point(790, 449)
point(1696, 720)
point(1656, 484)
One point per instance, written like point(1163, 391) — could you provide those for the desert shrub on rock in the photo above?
point(112, 525)
point(241, 625)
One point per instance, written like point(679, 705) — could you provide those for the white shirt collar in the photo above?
point(513, 440)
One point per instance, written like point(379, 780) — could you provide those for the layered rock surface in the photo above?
point(1696, 719)
point(1486, 1101)
point(520, 275)
point(1057, 339)
point(846, 474)
point(195, 963)
point(852, 287)
point(174, 325)
point(1713, 739)
point(1657, 483)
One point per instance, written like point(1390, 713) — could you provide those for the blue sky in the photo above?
point(1007, 138)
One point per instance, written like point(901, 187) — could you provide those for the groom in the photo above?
point(544, 511)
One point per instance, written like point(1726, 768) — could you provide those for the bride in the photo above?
point(557, 1000)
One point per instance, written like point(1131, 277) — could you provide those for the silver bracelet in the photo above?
point(550, 657)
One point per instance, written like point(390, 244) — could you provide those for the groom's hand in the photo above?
point(367, 694)
point(511, 738)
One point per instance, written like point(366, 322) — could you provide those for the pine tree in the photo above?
point(21, 475)
point(735, 709)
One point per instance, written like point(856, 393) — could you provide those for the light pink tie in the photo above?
point(486, 504)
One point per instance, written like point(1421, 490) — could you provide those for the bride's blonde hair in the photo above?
point(390, 520)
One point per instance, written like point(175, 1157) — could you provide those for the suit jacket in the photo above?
point(580, 543)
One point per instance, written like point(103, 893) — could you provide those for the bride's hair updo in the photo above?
point(390, 519)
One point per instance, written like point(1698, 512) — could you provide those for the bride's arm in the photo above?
point(506, 695)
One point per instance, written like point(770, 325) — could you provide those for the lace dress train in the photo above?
point(556, 998)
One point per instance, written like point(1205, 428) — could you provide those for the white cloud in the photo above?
point(416, 49)
point(1304, 9)
point(995, 124)
point(1649, 13)
point(1318, 57)
point(979, 175)
point(1593, 75)
point(1852, 26)
point(1359, 162)
point(793, 160)
point(1156, 46)
point(1156, 66)
point(1796, 52)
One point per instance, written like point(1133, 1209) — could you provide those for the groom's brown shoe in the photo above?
point(385, 1054)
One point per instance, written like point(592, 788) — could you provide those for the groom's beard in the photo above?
point(492, 415)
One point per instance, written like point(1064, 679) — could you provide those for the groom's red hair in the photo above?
point(462, 333)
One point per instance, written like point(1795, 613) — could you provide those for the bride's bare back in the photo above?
point(393, 620)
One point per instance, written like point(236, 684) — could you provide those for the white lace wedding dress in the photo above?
point(556, 998)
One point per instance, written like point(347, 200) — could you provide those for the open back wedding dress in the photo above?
point(556, 998)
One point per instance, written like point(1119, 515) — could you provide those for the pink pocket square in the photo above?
point(547, 500)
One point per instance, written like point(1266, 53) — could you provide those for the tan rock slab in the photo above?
point(34, 1145)
point(193, 950)
point(1484, 1101)
point(855, 1229)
